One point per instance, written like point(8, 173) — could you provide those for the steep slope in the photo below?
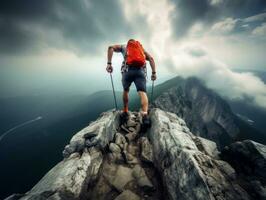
point(204, 111)
point(253, 115)
point(110, 160)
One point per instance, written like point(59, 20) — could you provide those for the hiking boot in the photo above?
point(146, 123)
point(124, 116)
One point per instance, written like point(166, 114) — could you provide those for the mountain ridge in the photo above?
point(113, 160)
point(205, 112)
point(64, 129)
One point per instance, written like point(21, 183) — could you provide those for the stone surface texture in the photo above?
point(109, 160)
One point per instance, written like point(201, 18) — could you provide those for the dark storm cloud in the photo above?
point(78, 25)
point(188, 12)
point(243, 8)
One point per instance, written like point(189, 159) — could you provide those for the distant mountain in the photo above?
point(250, 113)
point(246, 108)
point(205, 112)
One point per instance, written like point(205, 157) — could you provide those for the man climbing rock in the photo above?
point(133, 70)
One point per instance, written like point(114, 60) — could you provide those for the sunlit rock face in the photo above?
point(113, 160)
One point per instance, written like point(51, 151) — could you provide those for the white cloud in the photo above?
point(254, 18)
point(260, 30)
point(225, 26)
point(216, 2)
point(190, 56)
point(157, 16)
point(219, 77)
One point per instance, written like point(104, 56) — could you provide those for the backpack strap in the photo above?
point(124, 67)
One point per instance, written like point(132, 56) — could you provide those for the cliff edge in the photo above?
point(109, 160)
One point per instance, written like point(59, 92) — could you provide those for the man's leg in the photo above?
point(140, 82)
point(125, 101)
point(144, 102)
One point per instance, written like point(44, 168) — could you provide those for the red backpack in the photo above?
point(135, 54)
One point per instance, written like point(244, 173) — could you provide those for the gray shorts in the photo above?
point(136, 75)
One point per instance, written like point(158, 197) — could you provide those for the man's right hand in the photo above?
point(153, 77)
point(109, 68)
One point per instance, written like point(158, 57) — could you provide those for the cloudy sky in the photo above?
point(61, 45)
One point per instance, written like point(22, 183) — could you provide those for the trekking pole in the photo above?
point(152, 91)
point(113, 91)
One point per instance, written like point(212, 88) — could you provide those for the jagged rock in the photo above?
point(187, 172)
point(226, 169)
point(124, 128)
point(101, 191)
point(122, 177)
point(129, 158)
point(258, 188)
point(249, 160)
point(120, 140)
point(251, 157)
point(142, 180)
point(127, 195)
point(131, 136)
point(138, 127)
point(69, 179)
point(132, 149)
point(131, 123)
point(114, 148)
point(131, 129)
point(207, 146)
point(91, 142)
point(68, 150)
point(146, 150)
point(189, 166)
point(115, 157)
point(102, 131)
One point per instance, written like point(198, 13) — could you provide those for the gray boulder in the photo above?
point(146, 150)
point(249, 160)
point(127, 195)
point(188, 172)
point(69, 179)
point(251, 157)
point(98, 133)
point(184, 166)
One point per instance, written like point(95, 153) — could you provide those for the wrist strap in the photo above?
point(109, 63)
point(153, 72)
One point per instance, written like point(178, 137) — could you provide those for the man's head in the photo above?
point(131, 41)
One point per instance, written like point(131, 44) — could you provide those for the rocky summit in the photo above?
point(110, 160)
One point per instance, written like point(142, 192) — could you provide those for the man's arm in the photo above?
point(152, 64)
point(111, 49)
point(151, 60)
